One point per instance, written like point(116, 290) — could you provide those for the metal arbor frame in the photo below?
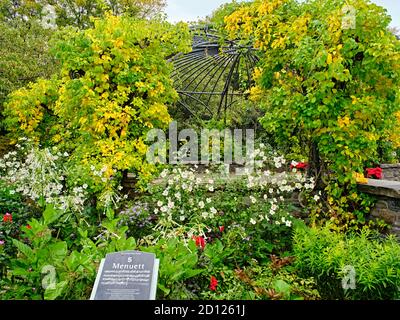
point(214, 75)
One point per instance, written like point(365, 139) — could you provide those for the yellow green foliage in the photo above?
point(114, 86)
point(330, 76)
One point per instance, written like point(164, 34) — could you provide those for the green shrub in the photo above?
point(326, 255)
point(47, 267)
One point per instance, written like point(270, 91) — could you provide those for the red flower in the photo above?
point(221, 229)
point(374, 173)
point(7, 217)
point(200, 242)
point(300, 166)
point(28, 227)
point(213, 283)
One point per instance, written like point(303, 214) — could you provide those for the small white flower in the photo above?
point(274, 207)
point(208, 200)
point(164, 173)
point(170, 181)
point(267, 173)
point(252, 221)
point(155, 210)
point(213, 210)
point(159, 203)
point(211, 188)
point(201, 204)
point(165, 193)
point(198, 180)
point(85, 186)
point(178, 195)
point(210, 181)
point(265, 196)
point(277, 223)
point(171, 204)
point(253, 200)
point(182, 218)
point(204, 215)
point(281, 198)
point(184, 186)
point(271, 190)
point(65, 154)
point(164, 209)
point(317, 197)
point(288, 223)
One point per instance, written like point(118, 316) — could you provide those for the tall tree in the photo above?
point(328, 80)
point(78, 13)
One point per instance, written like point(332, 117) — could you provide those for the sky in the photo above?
point(191, 10)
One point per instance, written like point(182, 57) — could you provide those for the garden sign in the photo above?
point(126, 275)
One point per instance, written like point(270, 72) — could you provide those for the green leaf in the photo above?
point(53, 293)
point(25, 249)
point(58, 251)
point(282, 287)
point(164, 289)
point(51, 214)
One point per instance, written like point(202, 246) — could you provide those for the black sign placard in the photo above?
point(127, 275)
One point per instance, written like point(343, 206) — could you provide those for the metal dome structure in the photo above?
point(214, 76)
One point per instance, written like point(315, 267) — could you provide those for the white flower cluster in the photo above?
point(40, 175)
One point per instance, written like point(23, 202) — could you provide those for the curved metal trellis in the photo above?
point(214, 75)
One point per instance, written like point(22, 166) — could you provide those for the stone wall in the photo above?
point(387, 207)
point(391, 171)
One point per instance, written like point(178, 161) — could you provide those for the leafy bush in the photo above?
point(14, 215)
point(329, 87)
point(113, 87)
point(276, 280)
point(178, 264)
point(328, 257)
point(47, 267)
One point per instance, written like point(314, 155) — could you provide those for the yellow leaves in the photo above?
point(99, 127)
point(119, 43)
point(359, 177)
point(157, 112)
point(140, 146)
point(329, 59)
point(104, 77)
point(344, 122)
point(279, 43)
point(82, 120)
point(255, 93)
point(257, 73)
point(158, 90)
point(371, 136)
